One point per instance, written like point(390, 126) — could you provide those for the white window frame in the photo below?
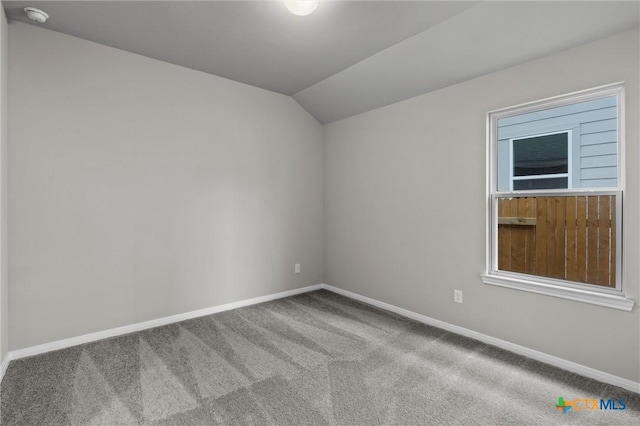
point(588, 293)
point(568, 175)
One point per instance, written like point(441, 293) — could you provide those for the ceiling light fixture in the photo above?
point(36, 15)
point(301, 7)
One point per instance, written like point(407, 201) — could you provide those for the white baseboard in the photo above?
point(521, 350)
point(3, 366)
point(119, 331)
point(580, 369)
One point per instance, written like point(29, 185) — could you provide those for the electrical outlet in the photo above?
point(457, 296)
point(296, 269)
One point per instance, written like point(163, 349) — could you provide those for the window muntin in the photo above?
point(555, 210)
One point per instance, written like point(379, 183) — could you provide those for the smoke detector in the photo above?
point(36, 15)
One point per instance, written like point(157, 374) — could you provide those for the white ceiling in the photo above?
point(347, 57)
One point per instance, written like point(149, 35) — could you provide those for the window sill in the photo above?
point(580, 295)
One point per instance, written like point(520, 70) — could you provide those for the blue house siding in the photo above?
point(593, 126)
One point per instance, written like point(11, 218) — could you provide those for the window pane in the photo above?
point(551, 183)
point(541, 155)
point(580, 139)
point(555, 214)
point(563, 237)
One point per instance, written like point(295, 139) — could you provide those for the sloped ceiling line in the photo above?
point(348, 57)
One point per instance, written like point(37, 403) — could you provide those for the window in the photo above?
point(555, 188)
point(540, 162)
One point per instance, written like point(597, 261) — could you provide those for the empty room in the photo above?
point(323, 212)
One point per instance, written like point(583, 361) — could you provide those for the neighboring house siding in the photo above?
point(594, 139)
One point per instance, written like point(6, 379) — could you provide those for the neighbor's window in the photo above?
point(555, 197)
point(540, 162)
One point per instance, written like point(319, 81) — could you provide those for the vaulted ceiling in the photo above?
point(348, 56)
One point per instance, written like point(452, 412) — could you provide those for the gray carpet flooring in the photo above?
point(312, 359)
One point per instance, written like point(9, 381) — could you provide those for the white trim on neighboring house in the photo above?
point(520, 350)
point(570, 161)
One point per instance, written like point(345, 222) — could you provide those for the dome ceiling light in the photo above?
point(301, 7)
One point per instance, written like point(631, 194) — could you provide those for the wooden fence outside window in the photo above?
point(571, 237)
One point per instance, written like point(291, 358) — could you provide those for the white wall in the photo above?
point(140, 189)
point(4, 312)
point(405, 209)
